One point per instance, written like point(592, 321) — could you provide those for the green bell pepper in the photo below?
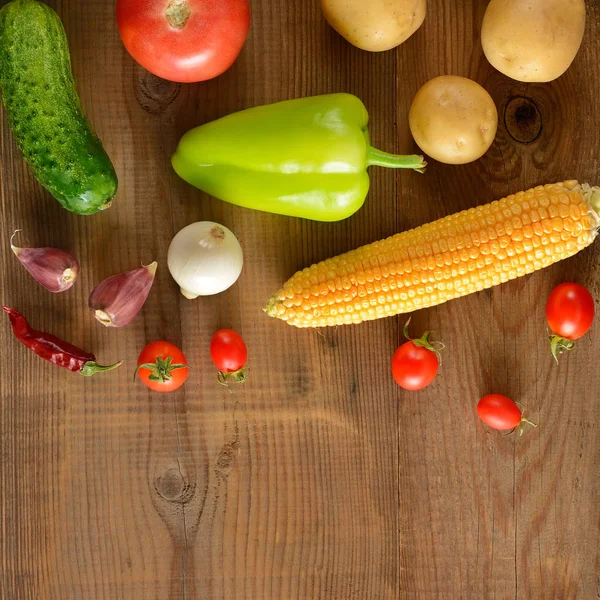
point(303, 158)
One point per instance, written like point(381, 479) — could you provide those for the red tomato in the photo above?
point(499, 412)
point(414, 367)
point(184, 40)
point(228, 351)
point(162, 367)
point(570, 311)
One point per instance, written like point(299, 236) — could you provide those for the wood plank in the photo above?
point(485, 516)
point(319, 478)
point(287, 489)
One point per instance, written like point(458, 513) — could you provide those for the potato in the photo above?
point(375, 25)
point(532, 40)
point(453, 119)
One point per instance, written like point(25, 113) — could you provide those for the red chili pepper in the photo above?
point(50, 348)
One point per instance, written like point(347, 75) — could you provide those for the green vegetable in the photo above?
point(303, 158)
point(44, 111)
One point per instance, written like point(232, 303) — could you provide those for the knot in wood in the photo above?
point(172, 486)
point(225, 460)
point(523, 119)
point(154, 94)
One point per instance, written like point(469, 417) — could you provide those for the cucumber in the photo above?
point(44, 111)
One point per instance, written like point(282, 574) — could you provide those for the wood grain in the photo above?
point(319, 479)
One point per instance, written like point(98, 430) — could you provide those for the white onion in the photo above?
point(205, 258)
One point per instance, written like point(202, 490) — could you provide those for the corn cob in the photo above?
point(449, 258)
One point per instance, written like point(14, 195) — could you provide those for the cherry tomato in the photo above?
point(162, 367)
point(499, 412)
point(570, 311)
point(414, 367)
point(184, 40)
point(228, 352)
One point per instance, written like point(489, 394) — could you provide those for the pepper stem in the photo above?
point(91, 368)
point(395, 161)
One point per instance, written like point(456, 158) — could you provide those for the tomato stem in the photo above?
point(424, 341)
point(177, 13)
point(559, 344)
point(520, 425)
point(161, 370)
point(238, 376)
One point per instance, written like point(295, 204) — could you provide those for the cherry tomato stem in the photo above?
point(559, 344)
point(233, 376)
point(424, 341)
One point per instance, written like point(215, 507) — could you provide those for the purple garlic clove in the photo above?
point(53, 268)
point(116, 301)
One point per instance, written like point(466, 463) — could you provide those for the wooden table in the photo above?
point(320, 478)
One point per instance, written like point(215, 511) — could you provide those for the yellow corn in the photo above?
point(449, 258)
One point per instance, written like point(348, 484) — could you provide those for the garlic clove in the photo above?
point(116, 301)
point(53, 268)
